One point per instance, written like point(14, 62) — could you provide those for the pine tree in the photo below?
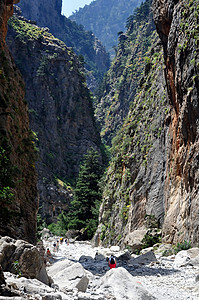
point(85, 206)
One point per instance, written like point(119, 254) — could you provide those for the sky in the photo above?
point(69, 6)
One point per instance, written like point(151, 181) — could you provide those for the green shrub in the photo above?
point(17, 268)
point(167, 252)
point(182, 246)
point(149, 240)
point(61, 226)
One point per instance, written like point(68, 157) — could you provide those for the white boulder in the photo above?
point(69, 276)
point(34, 287)
point(182, 258)
point(121, 284)
point(114, 248)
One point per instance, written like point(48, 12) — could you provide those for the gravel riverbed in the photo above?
point(161, 278)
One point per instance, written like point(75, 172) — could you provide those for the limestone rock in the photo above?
point(164, 249)
point(45, 233)
point(134, 239)
point(182, 258)
point(61, 112)
point(48, 14)
point(144, 259)
point(68, 276)
point(193, 252)
point(122, 285)
point(146, 250)
point(22, 258)
point(114, 248)
point(181, 57)
point(34, 288)
point(162, 181)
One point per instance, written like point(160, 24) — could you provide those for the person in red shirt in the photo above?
point(48, 252)
point(112, 262)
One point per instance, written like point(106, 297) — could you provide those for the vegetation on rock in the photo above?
point(61, 112)
point(105, 19)
point(18, 193)
point(129, 176)
point(122, 80)
point(84, 43)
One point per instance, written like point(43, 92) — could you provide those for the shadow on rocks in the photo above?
point(143, 265)
point(97, 265)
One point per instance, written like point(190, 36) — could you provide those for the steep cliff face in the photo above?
point(123, 77)
point(18, 192)
point(135, 178)
point(48, 13)
point(60, 107)
point(154, 170)
point(177, 25)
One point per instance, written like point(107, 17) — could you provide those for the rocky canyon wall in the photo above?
point(177, 25)
point(48, 14)
point(18, 192)
point(60, 108)
point(154, 170)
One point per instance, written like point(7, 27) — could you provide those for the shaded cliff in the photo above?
point(60, 107)
point(154, 169)
point(48, 13)
point(18, 192)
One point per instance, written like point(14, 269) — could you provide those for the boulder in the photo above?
point(193, 252)
point(134, 239)
point(145, 250)
point(69, 276)
point(121, 284)
point(72, 233)
point(22, 258)
point(143, 259)
point(125, 256)
point(34, 288)
point(45, 234)
point(114, 248)
point(85, 258)
point(164, 250)
point(99, 257)
point(182, 259)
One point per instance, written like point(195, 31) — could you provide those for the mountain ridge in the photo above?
point(84, 43)
point(113, 13)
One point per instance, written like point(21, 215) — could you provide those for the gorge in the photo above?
point(145, 109)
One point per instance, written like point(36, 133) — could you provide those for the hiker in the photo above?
point(61, 240)
point(54, 246)
point(112, 262)
point(57, 245)
point(48, 252)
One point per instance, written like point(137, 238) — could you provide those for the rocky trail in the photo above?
point(80, 272)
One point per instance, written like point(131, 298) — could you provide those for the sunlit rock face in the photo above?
point(176, 23)
point(154, 173)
